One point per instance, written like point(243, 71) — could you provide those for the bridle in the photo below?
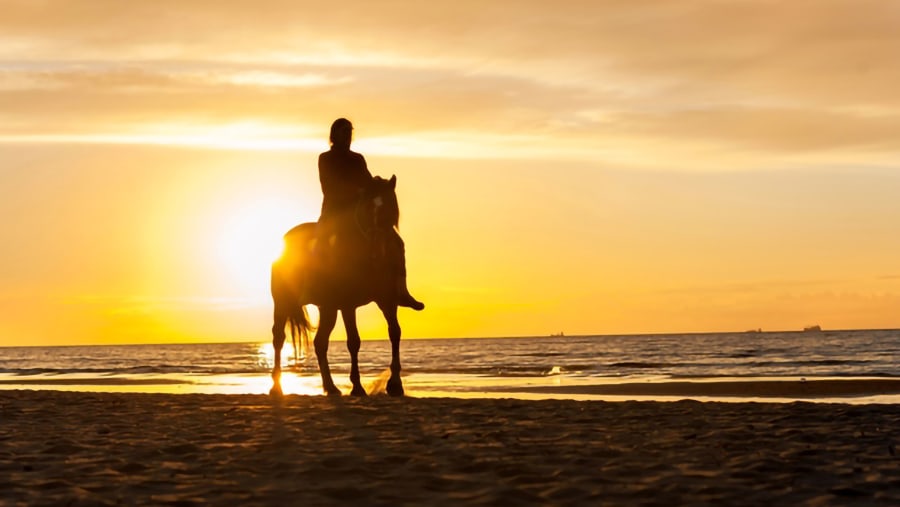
point(361, 204)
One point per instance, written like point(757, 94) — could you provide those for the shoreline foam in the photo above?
point(828, 390)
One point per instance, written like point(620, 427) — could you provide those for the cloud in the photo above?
point(150, 305)
point(747, 81)
point(786, 129)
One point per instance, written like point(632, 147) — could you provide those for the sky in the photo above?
point(586, 167)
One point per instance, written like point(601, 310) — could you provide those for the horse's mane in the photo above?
point(386, 190)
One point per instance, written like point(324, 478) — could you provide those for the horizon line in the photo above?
point(497, 337)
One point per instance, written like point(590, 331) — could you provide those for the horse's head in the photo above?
point(383, 197)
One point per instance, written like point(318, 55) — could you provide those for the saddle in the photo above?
point(341, 256)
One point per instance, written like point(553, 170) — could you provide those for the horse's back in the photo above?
point(340, 273)
point(301, 231)
point(297, 246)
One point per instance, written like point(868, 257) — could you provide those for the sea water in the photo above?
point(462, 367)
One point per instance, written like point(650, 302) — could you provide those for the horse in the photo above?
point(352, 271)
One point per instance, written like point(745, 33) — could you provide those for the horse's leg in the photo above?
point(280, 319)
point(353, 340)
point(327, 320)
point(394, 385)
point(295, 330)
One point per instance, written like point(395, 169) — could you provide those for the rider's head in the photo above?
point(341, 133)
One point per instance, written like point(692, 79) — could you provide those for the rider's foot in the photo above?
point(404, 298)
point(411, 302)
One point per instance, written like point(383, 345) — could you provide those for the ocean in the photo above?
point(495, 367)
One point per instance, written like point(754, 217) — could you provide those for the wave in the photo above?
point(134, 370)
point(741, 355)
point(96, 381)
point(539, 354)
point(496, 370)
point(638, 365)
point(812, 362)
point(679, 376)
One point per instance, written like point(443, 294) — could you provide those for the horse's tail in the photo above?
point(290, 277)
point(290, 309)
point(301, 327)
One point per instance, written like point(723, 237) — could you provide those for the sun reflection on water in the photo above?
point(265, 355)
point(292, 380)
point(291, 383)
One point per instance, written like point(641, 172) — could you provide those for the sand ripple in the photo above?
point(114, 449)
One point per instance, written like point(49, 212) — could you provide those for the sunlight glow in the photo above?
point(282, 79)
point(292, 381)
point(251, 239)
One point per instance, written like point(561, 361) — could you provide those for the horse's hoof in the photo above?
point(358, 391)
point(333, 392)
point(276, 391)
point(395, 387)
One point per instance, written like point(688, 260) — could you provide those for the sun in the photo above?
point(251, 238)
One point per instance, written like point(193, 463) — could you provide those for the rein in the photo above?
point(365, 232)
point(368, 230)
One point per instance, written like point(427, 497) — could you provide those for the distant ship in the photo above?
point(557, 335)
point(754, 331)
point(812, 329)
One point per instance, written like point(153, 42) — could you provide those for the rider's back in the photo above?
point(343, 174)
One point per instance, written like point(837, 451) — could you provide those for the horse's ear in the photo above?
point(393, 181)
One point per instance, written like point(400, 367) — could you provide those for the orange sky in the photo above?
point(584, 166)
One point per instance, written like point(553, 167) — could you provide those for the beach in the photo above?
point(79, 448)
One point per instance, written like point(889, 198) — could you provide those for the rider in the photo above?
point(344, 176)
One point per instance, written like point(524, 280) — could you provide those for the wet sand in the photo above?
point(69, 448)
point(797, 389)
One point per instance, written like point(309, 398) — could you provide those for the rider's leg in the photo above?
point(326, 260)
point(397, 254)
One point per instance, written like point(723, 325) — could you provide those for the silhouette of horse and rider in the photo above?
point(351, 257)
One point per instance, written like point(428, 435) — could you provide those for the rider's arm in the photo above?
point(364, 168)
point(324, 176)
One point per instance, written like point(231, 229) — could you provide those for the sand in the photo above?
point(69, 448)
